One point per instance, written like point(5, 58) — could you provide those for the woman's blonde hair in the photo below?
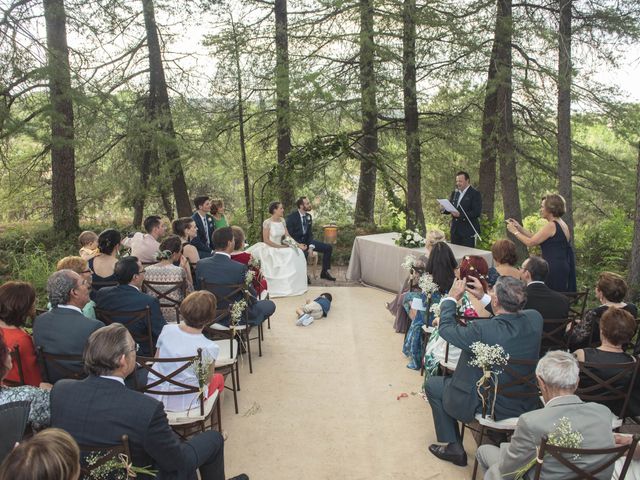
point(77, 264)
point(434, 236)
point(51, 454)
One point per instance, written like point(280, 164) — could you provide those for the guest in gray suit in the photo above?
point(221, 270)
point(455, 398)
point(557, 374)
point(64, 330)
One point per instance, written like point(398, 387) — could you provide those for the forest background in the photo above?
point(111, 110)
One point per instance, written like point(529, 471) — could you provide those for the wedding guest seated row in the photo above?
point(103, 265)
point(557, 376)
point(505, 258)
point(454, 398)
point(39, 412)
point(144, 246)
point(115, 410)
point(221, 270)
point(127, 296)
point(64, 329)
point(239, 254)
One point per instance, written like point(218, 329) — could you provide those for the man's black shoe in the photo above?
point(327, 276)
point(242, 476)
point(443, 453)
point(308, 280)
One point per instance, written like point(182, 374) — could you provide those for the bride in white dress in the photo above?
point(284, 266)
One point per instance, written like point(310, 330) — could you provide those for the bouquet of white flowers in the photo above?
point(254, 262)
point(488, 357)
point(409, 262)
point(426, 284)
point(290, 242)
point(249, 276)
point(410, 239)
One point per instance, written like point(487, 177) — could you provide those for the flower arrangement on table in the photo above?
point(488, 358)
point(410, 239)
point(563, 435)
point(115, 469)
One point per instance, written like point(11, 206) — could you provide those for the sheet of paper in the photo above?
point(447, 205)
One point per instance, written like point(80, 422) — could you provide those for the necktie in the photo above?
point(206, 228)
point(456, 198)
point(304, 224)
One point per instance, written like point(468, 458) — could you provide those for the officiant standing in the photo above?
point(468, 201)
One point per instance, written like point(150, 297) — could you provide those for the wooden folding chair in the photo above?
point(59, 363)
point(614, 390)
point(554, 334)
point(227, 364)
point(93, 457)
point(564, 456)
point(188, 421)
point(138, 322)
point(577, 303)
point(17, 361)
point(165, 291)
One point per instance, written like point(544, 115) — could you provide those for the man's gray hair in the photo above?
point(59, 286)
point(559, 370)
point(511, 293)
point(104, 348)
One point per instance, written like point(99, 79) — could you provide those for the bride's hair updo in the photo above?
point(108, 240)
point(273, 206)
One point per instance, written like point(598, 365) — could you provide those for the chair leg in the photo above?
point(260, 340)
point(262, 331)
point(475, 462)
point(269, 323)
point(237, 376)
point(233, 383)
point(246, 336)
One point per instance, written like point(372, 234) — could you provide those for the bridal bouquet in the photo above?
point(488, 357)
point(290, 242)
point(410, 239)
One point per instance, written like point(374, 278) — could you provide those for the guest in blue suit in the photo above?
point(455, 398)
point(128, 297)
point(204, 221)
point(221, 270)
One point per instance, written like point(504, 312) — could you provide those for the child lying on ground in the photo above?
point(313, 310)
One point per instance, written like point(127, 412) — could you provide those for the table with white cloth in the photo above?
point(377, 261)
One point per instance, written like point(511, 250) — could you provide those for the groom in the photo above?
point(299, 225)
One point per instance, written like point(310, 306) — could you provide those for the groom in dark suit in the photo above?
point(300, 227)
point(467, 200)
point(204, 222)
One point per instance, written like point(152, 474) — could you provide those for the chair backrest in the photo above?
point(58, 364)
point(155, 388)
point(577, 303)
point(93, 457)
point(17, 361)
point(131, 320)
point(164, 292)
point(13, 422)
point(565, 455)
point(553, 334)
point(513, 383)
point(608, 383)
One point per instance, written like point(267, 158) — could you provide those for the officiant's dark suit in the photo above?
point(454, 398)
point(471, 202)
point(221, 270)
point(300, 227)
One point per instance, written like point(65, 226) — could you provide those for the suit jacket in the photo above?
point(63, 331)
point(549, 303)
point(294, 226)
point(98, 411)
point(472, 205)
point(200, 242)
point(125, 298)
point(518, 333)
point(592, 420)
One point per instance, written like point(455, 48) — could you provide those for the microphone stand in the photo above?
point(475, 232)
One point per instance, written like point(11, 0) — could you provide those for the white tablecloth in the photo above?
point(376, 260)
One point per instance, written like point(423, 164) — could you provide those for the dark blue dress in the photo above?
point(557, 251)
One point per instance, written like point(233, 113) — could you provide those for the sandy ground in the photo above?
point(322, 401)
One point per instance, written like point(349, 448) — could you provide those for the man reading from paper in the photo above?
point(468, 203)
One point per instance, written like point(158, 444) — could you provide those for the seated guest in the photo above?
point(217, 207)
point(127, 297)
point(441, 265)
point(166, 271)
point(64, 329)
point(115, 410)
point(17, 303)
point(557, 374)
point(39, 416)
point(88, 245)
point(221, 270)
point(454, 398)
point(146, 245)
point(81, 267)
point(184, 340)
point(505, 259)
point(186, 229)
point(617, 328)
point(259, 283)
point(203, 241)
point(49, 454)
point(104, 264)
point(633, 473)
point(610, 292)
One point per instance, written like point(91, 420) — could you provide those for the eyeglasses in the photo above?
point(140, 272)
point(135, 349)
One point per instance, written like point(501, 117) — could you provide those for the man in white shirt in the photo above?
point(145, 246)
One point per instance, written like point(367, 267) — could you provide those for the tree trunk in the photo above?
point(504, 119)
point(414, 213)
point(634, 266)
point(488, 142)
point(365, 199)
point(141, 194)
point(158, 91)
point(564, 110)
point(283, 112)
point(63, 165)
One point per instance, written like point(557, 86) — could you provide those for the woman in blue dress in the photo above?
point(555, 242)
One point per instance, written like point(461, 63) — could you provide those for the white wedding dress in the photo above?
point(284, 268)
